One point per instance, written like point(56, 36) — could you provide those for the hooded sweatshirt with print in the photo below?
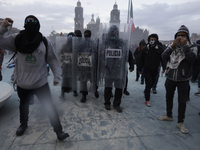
point(31, 66)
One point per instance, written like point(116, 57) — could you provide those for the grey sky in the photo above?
point(163, 17)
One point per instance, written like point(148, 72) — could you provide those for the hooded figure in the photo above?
point(29, 39)
point(87, 33)
point(31, 72)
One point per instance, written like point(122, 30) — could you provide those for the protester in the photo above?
point(137, 52)
point(150, 60)
point(198, 60)
point(131, 68)
point(31, 70)
point(179, 56)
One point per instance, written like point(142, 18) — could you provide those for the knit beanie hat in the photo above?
point(153, 35)
point(183, 28)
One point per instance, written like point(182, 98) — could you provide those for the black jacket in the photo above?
point(151, 58)
point(131, 60)
point(137, 54)
point(184, 70)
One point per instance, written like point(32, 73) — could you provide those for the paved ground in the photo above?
point(91, 127)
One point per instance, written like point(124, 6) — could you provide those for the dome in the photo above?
point(92, 20)
point(115, 6)
point(78, 4)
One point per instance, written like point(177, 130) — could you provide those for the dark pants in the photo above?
point(157, 78)
point(138, 75)
point(84, 89)
point(117, 97)
point(44, 95)
point(183, 95)
point(150, 79)
point(126, 85)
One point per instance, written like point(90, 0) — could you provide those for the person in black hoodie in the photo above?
point(136, 55)
point(180, 56)
point(149, 60)
point(31, 71)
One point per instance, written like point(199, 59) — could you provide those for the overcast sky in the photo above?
point(163, 17)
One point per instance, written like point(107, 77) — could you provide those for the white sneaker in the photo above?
point(165, 118)
point(182, 128)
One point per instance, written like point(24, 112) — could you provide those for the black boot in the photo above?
point(126, 92)
point(83, 99)
point(20, 131)
point(61, 135)
point(96, 94)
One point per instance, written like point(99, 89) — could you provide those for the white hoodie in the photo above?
point(31, 69)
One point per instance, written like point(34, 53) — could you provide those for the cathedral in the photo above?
point(137, 35)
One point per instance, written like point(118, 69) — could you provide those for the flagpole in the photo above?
point(128, 18)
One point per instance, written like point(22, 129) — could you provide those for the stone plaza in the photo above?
point(91, 127)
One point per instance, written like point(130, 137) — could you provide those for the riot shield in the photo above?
point(85, 64)
point(113, 55)
point(64, 48)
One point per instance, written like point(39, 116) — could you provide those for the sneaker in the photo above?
point(126, 92)
point(61, 135)
point(142, 82)
point(118, 109)
point(148, 103)
point(136, 79)
point(165, 118)
point(154, 91)
point(182, 128)
point(107, 107)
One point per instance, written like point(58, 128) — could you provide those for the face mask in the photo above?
point(152, 43)
point(31, 30)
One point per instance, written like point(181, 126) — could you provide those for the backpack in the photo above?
point(46, 45)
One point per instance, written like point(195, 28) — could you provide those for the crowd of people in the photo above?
point(89, 63)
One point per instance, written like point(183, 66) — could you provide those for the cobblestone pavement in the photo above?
point(91, 127)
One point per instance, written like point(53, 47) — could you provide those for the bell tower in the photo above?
point(115, 14)
point(78, 20)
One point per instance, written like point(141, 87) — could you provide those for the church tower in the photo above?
point(79, 20)
point(115, 14)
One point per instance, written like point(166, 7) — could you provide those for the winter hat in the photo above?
point(153, 35)
point(87, 33)
point(78, 33)
point(142, 42)
point(71, 34)
point(183, 28)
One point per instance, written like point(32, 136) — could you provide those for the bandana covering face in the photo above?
point(29, 39)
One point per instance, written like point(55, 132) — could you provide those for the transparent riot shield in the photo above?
point(85, 64)
point(64, 49)
point(113, 55)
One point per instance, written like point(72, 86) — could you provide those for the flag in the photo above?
point(130, 16)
